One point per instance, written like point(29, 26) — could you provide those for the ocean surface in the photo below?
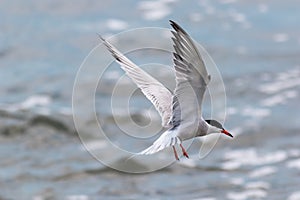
point(69, 121)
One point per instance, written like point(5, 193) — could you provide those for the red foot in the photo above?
point(186, 155)
point(175, 153)
point(184, 151)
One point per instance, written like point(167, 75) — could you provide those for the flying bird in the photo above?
point(180, 110)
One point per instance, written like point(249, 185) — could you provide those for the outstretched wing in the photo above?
point(156, 92)
point(191, 80)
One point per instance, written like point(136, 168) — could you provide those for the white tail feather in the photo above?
point(167, 139)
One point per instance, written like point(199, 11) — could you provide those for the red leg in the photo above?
point(175, 153)
point(184, 151)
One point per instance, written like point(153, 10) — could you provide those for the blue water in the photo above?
point(255, 45)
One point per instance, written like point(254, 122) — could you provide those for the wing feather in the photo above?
point(191, 81)
point(156, 92)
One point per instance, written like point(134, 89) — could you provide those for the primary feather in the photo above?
point(156, 92)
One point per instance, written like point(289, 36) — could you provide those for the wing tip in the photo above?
point(101, 38)
point(113, 51)
point(176, 27)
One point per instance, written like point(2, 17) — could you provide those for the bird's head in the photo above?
point(216, 127)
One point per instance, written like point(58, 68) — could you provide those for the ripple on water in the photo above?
point(237, 181)
point(154, 10)
point(294, 196)
point(77, 197)
point(116, 24)
point(257, 185)
point(248, 194)
point(280, 98)
point(263, 171)
point(294, 163)
point(237, 158)
point(280, 37)
point(284, 80)
point(30, 102)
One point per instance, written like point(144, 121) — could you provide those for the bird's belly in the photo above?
point(190, 132)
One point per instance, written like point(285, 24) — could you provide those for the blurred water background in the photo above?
point(256, 46)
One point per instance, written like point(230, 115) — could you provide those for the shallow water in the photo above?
point(256, 47)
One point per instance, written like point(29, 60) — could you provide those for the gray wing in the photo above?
point(191, 79)
point(156, 92)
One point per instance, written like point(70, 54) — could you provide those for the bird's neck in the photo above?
point(212, 129)
point(203, 128)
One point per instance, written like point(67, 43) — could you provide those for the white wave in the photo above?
point(294, 152)
point(208, 8)
point(226, 26)
point(294, 164)
point(263, 171)
point(43, 111)
point(280, 37)
point(257, 185)
point(238, 17)
point(231, 165)
point(116, 24)
point(273, 157)
point(231, 110)
point(36, 100)
point(227, 1)
point(284, 80)
point(66, 111)
point(196, 17)
point(242, 50)
point(266, 77)
point(236, 181)
point(155, 10)
point(188, 163)
point(263, 8)
point(30, 102)
point(237, 158)
point(294, 196)
point(94, 145)
point(238, 153)
point(77, 197)
point(248, 194)
point(38, 197)
point(157, 14)
point(256, 112)
point(276, 87)
point(279, 98)
point(112, 75)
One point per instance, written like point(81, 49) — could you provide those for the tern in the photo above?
point(180, 110)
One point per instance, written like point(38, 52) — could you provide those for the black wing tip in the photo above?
point(177, 56)
point(171, 22)
point(101, 37)
point(214, 123)
point(176, 27)
point(109, 47)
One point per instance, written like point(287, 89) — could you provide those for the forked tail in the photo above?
point(168, 138)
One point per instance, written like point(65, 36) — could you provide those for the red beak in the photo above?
point(226, 133)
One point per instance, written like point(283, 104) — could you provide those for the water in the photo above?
point(256, 47)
